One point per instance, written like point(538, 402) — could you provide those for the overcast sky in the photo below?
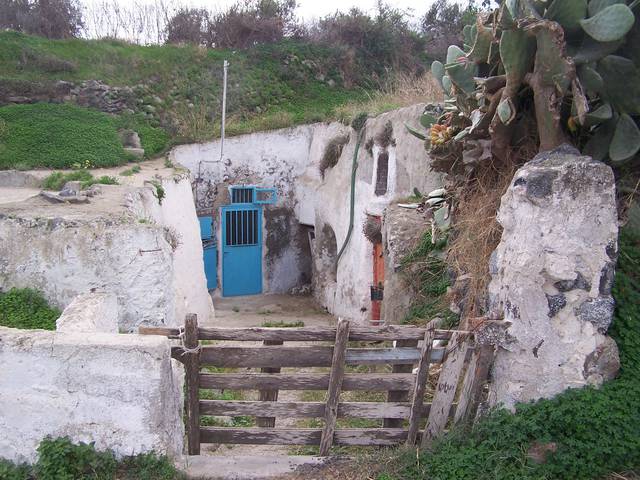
point(309, 9)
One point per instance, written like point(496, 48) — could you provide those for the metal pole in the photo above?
point(224, 108)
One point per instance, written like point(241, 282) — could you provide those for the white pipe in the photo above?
point(224, 108)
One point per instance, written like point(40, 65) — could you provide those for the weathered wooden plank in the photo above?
point(312, 356)
point(304, 409)
point(269, 395)
point(400, 395)
point(446, 389)
point(192, 378)
point(310, 334)
point(335, 386)
point(163, 331)
point(474, 380)
point(374, 382)
point(419, 388)
point(307, 436)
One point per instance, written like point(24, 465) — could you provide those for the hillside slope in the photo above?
point(177, 89)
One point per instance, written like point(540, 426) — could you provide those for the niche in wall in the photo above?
point(382, 173)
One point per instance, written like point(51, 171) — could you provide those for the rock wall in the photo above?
point(402, 229)
point(552, 275)
point(290, 160)
point(119, 391)
point(91, 312)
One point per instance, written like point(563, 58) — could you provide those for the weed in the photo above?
point(283, 324)
point(235, 309)
point(57, 180)
point(158, 190)
point(130, 171)
point(168, 163)
point(63, 460)
point(425, 270)
point(332, 152)
point(264, 311)
point(27, 308)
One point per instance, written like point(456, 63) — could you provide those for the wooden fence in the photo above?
point(462, 375)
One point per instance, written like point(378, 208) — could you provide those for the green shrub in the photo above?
point(425, 270)
point(56, 180)
point(103, 180)
point(10, 471)
point(597, 431)
point(63, 460)
point(26, 308)
point(58, 136)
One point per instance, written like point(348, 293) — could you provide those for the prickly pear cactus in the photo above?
point(558, 71)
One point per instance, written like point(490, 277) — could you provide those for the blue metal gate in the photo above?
point(241, 249)
point(210, 251)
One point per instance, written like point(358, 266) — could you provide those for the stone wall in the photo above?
point(552, 275)
point(402, 229)
point(119, 391)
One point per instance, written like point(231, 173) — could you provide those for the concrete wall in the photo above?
point(289, 160)
point(119, 391)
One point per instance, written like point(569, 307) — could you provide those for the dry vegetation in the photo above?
point(402, 90)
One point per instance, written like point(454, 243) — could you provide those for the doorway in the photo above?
point(241, 250)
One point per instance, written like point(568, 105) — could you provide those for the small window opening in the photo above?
point(382, 173)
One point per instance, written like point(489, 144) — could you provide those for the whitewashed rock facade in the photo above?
point(119, 391)
point(552, 275)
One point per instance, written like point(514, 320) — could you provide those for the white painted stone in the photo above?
point(123, 242)
point(551, 277)
point(65, 257)
point(119, 391)
point(91, 312)
point(177, 214)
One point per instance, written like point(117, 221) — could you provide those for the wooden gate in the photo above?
point(407, 417)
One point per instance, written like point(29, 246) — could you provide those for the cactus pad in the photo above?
point(609, 24)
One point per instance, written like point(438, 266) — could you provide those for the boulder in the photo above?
point(551, 278)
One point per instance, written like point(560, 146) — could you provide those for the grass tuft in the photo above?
point(27, 309)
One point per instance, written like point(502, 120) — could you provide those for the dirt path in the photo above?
point(257, 311)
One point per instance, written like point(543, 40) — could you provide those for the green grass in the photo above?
point(26, 308)
point(58, 136)
point(283, 324)
point(130, 171)
point(597, 431)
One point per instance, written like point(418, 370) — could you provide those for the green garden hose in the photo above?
point(358, 122)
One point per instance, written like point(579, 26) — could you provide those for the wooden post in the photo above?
point(399, 395)
point(474, 380)
point(335, 386)
point(419, 387)
point(446, 389)
point(268, 395)
point(192, 374)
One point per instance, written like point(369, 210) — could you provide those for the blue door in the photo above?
point(241, 250)
point(210, 251)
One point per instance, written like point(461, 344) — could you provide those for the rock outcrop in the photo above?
point(552, 275)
